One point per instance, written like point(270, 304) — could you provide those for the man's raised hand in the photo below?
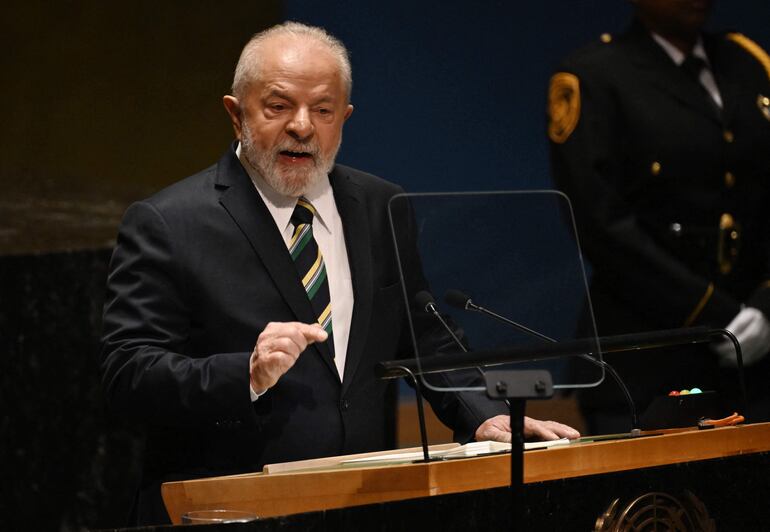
point(277, 350)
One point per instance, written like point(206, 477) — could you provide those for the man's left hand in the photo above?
point(498, 428)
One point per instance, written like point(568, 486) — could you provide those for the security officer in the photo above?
point(661, 139)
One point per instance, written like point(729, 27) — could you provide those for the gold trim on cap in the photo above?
point(700, 306)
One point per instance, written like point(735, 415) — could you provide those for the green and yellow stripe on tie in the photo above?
point(302, 202)
point(302, 235)
point(315, 277)
point(325, 319)
point(310, 265)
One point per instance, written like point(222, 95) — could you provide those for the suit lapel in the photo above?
point(244, 205)
point(351, 204)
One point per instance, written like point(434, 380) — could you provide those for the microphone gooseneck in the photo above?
point(459, 299)
point(424, 300)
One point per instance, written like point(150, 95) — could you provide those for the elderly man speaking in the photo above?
point(248, 304)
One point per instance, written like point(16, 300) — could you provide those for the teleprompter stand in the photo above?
point(515, 388)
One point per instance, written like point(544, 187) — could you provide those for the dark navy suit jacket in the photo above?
point(198, 271)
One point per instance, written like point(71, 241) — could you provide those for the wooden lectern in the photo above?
point(326, 484)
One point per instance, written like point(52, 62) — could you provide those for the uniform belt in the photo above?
point(719, 244)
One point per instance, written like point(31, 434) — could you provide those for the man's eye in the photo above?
point(277, 107)
point(324, 111)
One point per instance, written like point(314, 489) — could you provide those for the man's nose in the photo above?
point(300, 126)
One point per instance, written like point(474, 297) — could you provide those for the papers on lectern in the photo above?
point(479, 448)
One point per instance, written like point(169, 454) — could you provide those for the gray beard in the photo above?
point(291, 182)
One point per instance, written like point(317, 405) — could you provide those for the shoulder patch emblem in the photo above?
point(752, 48)
point(563, 106)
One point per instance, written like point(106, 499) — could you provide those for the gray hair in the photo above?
point(247, 69)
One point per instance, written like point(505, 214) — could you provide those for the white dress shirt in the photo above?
point(328, 233)
point(706, 76)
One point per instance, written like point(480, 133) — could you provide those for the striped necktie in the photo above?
point(310, 265)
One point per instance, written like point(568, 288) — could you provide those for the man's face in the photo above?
point(290, 121)
point(674, 17)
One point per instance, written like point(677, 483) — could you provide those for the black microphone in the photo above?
point(459, 299)
point(425, 301)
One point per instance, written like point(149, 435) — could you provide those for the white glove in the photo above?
point(752, 330)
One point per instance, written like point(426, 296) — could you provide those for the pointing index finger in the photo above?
point(313, 332)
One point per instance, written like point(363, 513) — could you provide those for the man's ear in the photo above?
point(348, 112)
point(233, 108)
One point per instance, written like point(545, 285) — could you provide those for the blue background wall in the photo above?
point(451, 95)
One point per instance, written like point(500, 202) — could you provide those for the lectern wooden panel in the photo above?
point(303, 491)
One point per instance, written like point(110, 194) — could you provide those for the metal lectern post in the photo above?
point(515, 387)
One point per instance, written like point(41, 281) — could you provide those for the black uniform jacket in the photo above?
point(199, 270)
point(671, 195)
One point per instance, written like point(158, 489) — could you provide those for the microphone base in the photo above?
point(667, 412)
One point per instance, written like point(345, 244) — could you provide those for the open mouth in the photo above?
point(296, 154)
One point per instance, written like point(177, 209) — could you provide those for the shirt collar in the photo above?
point(676, 55)
point(282, 207)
